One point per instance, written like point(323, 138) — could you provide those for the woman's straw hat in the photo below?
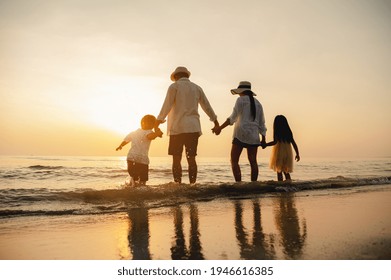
point(243, 86)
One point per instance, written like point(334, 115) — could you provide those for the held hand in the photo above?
point(297, 158)
point(157, 123)
point(216, 130)
point(158, 132)
point(263, 144)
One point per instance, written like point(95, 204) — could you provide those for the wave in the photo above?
point(214, 190)
point(43, 201)
point(42, 172)
point(45, 167)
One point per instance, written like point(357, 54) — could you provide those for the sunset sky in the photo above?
point(77, 75)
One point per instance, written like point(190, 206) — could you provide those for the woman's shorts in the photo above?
point(239, 143)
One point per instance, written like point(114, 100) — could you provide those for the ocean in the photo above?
point(247, 220)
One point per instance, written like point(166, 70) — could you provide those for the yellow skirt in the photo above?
point(281, 159)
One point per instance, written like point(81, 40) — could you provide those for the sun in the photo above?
point(120, 106)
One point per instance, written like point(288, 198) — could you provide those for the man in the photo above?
point(183, 125)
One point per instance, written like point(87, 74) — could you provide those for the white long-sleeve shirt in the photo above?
point(247, 129)
point(181, 106)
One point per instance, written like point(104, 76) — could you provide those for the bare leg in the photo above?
point(192, 169)
point(177, 168)
point(252, 158)
point(235, 155)
point(287, 176)
point(132, 183)
point(279, 176)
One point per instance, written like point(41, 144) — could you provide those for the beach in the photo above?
point(341, 224)
point(78, 77)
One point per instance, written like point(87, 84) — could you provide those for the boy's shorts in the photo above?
point(189, 140)
point(138, 171)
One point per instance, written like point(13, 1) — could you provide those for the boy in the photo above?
point(137, 158)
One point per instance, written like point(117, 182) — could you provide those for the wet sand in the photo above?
point(325, 224)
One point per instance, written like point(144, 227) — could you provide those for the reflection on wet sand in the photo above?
point(283, 239)
point(139, 233)
point(287, 222)
point(261, 246)
point(179, 251)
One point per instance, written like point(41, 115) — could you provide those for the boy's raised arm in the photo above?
point(121, 145)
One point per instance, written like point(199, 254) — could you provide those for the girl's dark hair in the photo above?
point(249, 93)
point(282, 131)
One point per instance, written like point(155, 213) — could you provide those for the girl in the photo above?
point(281, 159)
point(249, 122)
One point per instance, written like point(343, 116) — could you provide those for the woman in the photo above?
point(249, 121)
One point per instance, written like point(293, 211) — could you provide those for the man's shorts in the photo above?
point(189, 140)
point(138, 171)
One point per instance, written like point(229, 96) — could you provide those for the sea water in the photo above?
point(213, 219)
point(50, 185)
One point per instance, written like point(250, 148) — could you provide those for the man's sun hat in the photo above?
point(179, 69)
point(243, 86)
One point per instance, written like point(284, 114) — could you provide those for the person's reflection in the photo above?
point(195, 242)
point(288, 224)
point(139, 233)
point(179, 250)
point(261, 247)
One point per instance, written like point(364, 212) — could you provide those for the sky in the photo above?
point(77, 76)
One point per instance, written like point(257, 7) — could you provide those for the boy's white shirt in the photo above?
point(140, 144)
